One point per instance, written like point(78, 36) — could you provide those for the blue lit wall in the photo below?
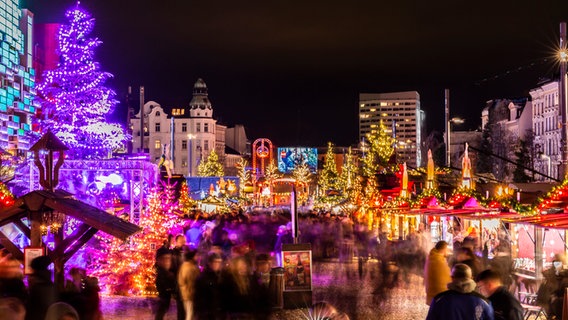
point(17, 82)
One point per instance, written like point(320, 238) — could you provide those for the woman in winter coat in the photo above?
point(436, 271)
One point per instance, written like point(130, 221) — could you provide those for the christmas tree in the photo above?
point(328, 178)
point(271, 173)
point(303, 177)
point(127, 268)
point(243, 174)
point(74, 100)
point(349, 177)
point(6, 197)
point(382, 144)
point(211, 167)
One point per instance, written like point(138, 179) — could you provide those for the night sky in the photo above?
point(291, 71)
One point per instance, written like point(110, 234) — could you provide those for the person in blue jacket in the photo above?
point(460, 301)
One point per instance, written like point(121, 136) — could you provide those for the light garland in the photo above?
point(73, 96)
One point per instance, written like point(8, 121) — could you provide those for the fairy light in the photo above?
point(74, 99)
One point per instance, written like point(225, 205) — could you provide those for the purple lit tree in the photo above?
point(74, 100)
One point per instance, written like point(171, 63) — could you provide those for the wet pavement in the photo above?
point(337, 283)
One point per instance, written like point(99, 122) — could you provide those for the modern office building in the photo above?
point(17, 81)
point(400, 112)
point(188, 134)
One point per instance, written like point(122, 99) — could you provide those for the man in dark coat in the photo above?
point(43, 292)
point(460, 301)
point(165, 283)
point(505, 305)
point(207, 299)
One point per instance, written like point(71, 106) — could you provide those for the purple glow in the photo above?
point(73, 96)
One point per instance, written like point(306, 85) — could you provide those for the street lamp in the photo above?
point(562, 93)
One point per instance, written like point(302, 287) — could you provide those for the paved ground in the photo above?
point(336, 283)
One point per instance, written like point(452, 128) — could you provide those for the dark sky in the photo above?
point(291, 71)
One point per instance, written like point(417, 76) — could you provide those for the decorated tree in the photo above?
point(303, 177)
point(211, 167)
point(75, 102)
point(328, 177)
point(243, 174)
point(349, 177)
point(6, 197)
point(127, 268)
point(271, 172)
point(186, 203)
point(382, 144)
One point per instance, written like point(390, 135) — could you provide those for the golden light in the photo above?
point(563, 55)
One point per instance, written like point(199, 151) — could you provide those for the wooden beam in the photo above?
point(10, 211)
point(79, 243)
point(12, 248)
point(79, 231)
point(22, 227)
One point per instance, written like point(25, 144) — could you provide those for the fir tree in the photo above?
point(74, 100)
point(243, 174)
point(349, 177)
point(382, 144)
point(328, 177)
point(303, 177)
point(211, 167)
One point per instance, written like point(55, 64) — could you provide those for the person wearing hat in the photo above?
point(505, 305)
point(460, 301)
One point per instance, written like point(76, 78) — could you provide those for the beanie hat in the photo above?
point(461, 272)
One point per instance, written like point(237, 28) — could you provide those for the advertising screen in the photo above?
point(290, 158)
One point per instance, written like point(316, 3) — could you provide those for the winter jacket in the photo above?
point(436, 274)
point(506, 306)
point(460, 302)
point(188, 272)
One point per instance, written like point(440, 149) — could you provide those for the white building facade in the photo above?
point(401, 113)
point(546, 126)
point(188, 134)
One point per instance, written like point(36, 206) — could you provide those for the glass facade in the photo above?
point(17, 78)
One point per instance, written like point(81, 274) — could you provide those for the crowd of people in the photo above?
point(77, 299)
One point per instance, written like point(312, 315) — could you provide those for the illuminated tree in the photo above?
point(370, 166)
point(243, 174)
point(186, 203)
point(74, 100)
point(382, 144)
point(303, 177)
point(127, 268)
point(349, 177)
point(211, 167)
point(271, 172)
point(328, 177)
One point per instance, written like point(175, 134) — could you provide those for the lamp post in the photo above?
point(562, 93)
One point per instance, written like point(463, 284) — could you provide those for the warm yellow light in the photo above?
point(563, 55)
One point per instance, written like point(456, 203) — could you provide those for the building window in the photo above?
point(206, 145)
point(198, 127)
point(184, 163)
point(184, 127)
point(206, 127)
point(157, 113)
point(158, 144)
point(157, 127)
point(184, 144)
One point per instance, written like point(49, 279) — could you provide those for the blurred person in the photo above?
point(42, 290)
point(177, 259)
point(187, 275)
point(323, 310)
point(262, 269)
point(239, 290)
point(207, 299)
point(550, 294)
point(12, 309)
point(61, 311)
point(465, 255)
point(436, 271)
point(165, 284)
point(505, 305)
point(460, 301)
point(193, 234)
point(11, 279)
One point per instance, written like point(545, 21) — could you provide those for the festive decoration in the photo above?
point(382, 144)
point(328, 177)
point(6, 197)
point(211, 167)
point(467, 182)
point(127, 268)
point(243, 174)
point(271, 172)
point(74, 99)
point(303, 177)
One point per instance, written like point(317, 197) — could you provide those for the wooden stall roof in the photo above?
point(64, 202)
point(540, 218)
